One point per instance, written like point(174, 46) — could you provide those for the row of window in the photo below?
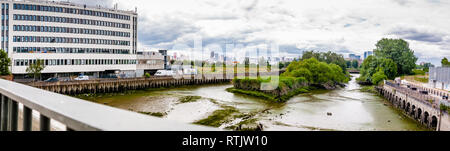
point(62, 62)
point(69, 20)
point(69, 40)
point(69, 30)
point(5, 6)
point(69, 50)
point(69, 10)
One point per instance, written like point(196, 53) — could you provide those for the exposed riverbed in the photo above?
point(346, 109)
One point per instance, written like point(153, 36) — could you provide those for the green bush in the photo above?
point(418, 72)
point(378, 77)
point(147, 75)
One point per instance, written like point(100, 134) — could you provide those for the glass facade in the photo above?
point(69, 50)
point(61, 62)
point(22, 17)
point(42, 39)
point(32, 7)
point(31, 28)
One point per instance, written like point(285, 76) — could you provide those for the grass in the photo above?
point(270, 97)
point(187, 99)
point(218, 117)
point(370, 89)
point(254, 93)
point(421, 79)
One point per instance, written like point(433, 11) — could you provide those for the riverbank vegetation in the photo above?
point(218, 117)
point(392, 58)
point(186, 99)
point(300, 77)
point(5, 62)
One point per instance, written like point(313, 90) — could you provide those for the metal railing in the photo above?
point(75, 113)
point(415, 94)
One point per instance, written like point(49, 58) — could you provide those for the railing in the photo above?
point(415, 94)
point(75, 113)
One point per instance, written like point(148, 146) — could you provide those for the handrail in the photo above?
point(78, 114)
point(414, 94)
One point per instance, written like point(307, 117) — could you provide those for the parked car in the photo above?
point(161, 73)
point(424, 92)
point(52, 80)
point(81, 78)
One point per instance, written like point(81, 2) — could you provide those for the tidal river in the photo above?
point(347, 109)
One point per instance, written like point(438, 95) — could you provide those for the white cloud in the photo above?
point(346, 26)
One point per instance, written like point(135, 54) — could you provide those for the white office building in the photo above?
point(70, 38)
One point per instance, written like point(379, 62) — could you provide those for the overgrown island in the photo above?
point(315, 70)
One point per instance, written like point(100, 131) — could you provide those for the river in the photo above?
point(344, 109)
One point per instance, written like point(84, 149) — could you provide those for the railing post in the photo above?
point(44, 123)
point(27, 118)
point(4, 114)
point(13, 115)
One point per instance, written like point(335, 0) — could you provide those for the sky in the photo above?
point(341, 26)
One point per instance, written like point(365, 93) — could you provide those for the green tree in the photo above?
point(35, 68)
point(213, 67)
point(368, 68)
point(355, 64)
point(348, 63)
point(147, 75)
point(398, 50)
point(327, 57)
point(5, 62)
point(316, 72)
point(389, 68)
point(445, 62)
point(378, 77)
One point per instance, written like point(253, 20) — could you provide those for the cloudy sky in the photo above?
point(342, 26)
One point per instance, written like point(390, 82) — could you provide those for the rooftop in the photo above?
point(68, 3)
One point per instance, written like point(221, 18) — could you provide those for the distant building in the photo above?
point(212, 55)
point(439, 77)
point(149, 62)
point(166, 58)
point(367, 54)
point(70, 38)
point(354, 57)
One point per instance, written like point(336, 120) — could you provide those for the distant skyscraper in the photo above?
point(367, 54)
point(354, 57)
point(212, 54)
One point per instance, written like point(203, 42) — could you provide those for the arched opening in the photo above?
point(403, 104)
point(419, 114)
point(434, 121)
point(413, 111)
point(425, 117)
point(407, 107)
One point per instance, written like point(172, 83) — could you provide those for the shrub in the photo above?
point(378, 77)
point(147, 75)
point(418, 72)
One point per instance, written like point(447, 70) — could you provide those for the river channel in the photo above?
point(344, 109)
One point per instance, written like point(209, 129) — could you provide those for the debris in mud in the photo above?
point(186, 99)
point(157, 114)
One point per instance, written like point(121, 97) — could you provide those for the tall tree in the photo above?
point(327, 57)
point(389, 68)
point(398, 50)
point(355, 64)
point(445, 62)
point(35, 68)
point(5, 62)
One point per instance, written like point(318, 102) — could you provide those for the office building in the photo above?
point(70, 38)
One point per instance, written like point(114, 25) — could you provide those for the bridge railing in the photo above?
point(75, 113)
point(414, 94)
